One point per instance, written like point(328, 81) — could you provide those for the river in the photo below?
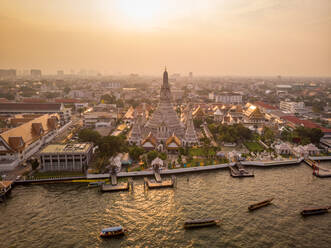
point(71, 215)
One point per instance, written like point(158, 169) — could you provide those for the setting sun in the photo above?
point(145, 13)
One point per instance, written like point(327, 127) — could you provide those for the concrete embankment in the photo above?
point(96, 177)
point(163, 172)
point(320, 158)
point(272, 163)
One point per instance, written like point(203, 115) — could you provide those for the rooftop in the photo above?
point(22, 107)
point(264, 105)
point(69, 148)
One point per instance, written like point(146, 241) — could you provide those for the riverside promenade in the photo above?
point(162, 172)
point(262, 164)
point(272, 163)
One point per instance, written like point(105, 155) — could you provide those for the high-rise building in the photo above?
point(35, 73)
point(5, 74)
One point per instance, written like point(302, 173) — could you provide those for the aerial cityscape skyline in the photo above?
point(239, 38)
point(154, 123)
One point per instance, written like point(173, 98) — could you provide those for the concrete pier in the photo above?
point(112, 188)
point(318, 171)
point(113, 179)
point(154, 185)
point(157, 176)
point(239, 171)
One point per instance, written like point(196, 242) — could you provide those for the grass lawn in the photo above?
point(196, 152)
point(254, 146)
point(48, 174)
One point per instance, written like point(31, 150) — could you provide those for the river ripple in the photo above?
point(70, 215)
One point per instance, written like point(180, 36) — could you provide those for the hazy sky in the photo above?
point(220, 37)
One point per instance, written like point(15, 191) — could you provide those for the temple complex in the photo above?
point(164, 127)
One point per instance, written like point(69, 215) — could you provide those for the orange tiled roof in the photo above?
point(173, 138)
point(150, 138)
point(29, 132)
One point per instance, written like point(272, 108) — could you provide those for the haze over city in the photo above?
point(155, 123)
point(238, 37)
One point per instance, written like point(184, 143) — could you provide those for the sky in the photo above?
point(207, 37)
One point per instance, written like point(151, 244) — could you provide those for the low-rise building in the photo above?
point(70, 157)
point(307, 150)
point(283, 149)
point(36, 108)
point(252, 114)
point(19, 143)
point(292, 107)
point(265, 107)
point(99, 119)
point(229, 98)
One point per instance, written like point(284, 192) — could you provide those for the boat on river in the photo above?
point(260, 204)
point(200, 223)
point(112, 232)
point(315, 211)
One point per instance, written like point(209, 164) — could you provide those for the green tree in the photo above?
point(34, 164)
point(135, 152)
point(268, 135)
point(151, 155)
point(89, 135)
point(110, 145)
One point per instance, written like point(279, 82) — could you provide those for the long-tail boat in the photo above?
point(200, 223)
point(112, 232)
point(260, 204)
point(315, 211)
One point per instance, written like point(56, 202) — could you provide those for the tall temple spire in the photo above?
point(165, 88)
point(190, 133)
point(165, 78)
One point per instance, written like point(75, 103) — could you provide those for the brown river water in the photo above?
point(72, 215)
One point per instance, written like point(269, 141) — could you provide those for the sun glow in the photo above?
point(142, 13)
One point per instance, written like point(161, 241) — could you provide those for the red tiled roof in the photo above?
point(67, 101)
point(33, 100)
point(306, 123)
point(21, 107)
point(264, 105)
point(2, 99)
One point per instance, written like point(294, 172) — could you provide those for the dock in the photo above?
point(318, 171)
point(238, 170)
point(117, 187)
point(5, 188)
point(157, 177)
point(151, 184)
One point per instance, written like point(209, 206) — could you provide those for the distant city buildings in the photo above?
point(6, 74)
point(110, 85)
point(60, 73)
point(35, 73)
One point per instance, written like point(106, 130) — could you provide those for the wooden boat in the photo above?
point(200, 223)
point(314, 211)
point(95, 184)
point(260, 204)
point(112, 232)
